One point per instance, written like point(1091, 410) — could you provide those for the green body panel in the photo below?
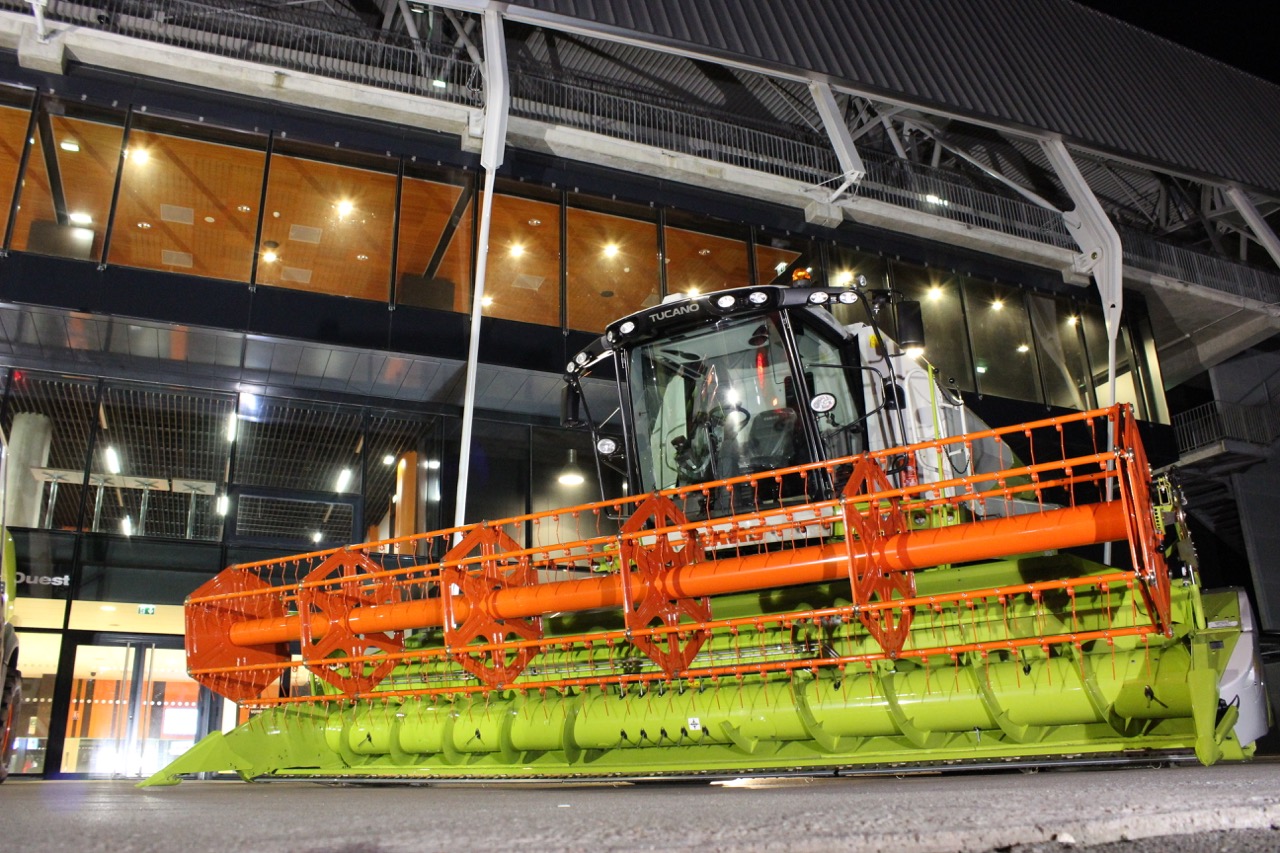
point(1098, 696)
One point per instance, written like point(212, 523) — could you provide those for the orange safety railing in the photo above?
point(660, 559)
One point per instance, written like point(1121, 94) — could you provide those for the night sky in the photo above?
point(1237, 32)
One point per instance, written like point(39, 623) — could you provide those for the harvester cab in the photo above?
point(822, 561)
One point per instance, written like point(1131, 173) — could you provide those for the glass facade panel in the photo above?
point(40, 654)
point(696, 260)
point(65, 201)
point(852, 268)
point(134, 709)
point(611, 267)
point(160, 463)
point(1063, 366)
point(1004, 356)
point(45, 563)
point(557, 455)
point(188, 205)
point(704, 255)
point(777, 255)
point(522, 281)
point(433, 256)
point(49, 420)
point(942, 308)
point(296, 446)
point(13, 138)
point(327, 228)
point(1095, 339)
point(498, 483)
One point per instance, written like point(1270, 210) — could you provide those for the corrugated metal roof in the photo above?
point(1048, 65)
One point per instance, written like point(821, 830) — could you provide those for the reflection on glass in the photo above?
point(433, 258)
point(946, 339)
point(31, 728)
point(327, 228)
point(551, 460)
point(298, 446)
point(133, 710)
point(187, 206)
point(775, 256)
point(1063, 366)
point(1004, 356)
point(522, 281)
point(66, 192)
point(612, 268)
point(13, 132)
point(704, 262)
point(1095, 339)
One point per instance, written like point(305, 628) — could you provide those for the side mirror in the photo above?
point(910, 325)
point(571, 405)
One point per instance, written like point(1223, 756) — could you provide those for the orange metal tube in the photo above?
point(983, 540)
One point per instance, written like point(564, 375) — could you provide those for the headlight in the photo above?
point(757, 297)
point(726, 301)
point(627, 328)
point(606, 446)
point(819, 297)
point(848, 297)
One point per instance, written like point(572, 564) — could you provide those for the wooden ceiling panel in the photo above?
point(13, 132)
point(523, 279)
point(612, 268)
point(188, 206)
point(332, 227)
point(426, 208)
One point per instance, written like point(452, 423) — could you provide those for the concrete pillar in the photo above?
point(29, 443)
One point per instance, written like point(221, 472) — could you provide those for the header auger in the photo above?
point(765, 604)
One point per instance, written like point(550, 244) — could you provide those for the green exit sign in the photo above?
point(146, 610)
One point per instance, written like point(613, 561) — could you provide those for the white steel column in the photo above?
point(1240, 200)
point(841, 140)
point(497, 102)
point(1103, 256)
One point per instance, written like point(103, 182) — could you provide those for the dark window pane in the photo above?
point(1063, 365)
point(942, 309)
point(1095, 339)
point(1004, 356)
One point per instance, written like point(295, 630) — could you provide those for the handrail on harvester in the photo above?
point(476, 611)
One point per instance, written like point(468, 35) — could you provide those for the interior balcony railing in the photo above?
point(1216, 421)
point(345, 49)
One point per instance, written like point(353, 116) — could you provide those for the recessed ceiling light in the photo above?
point(535, 222)
point(389, 459)
point(108, 608)
point(517, 250)
point(144, 225)
point(611, 250)
point(270, 257)
point(997, 305)
point(244, 208)
point(345, 208)
point(138, 155)
point(69, 145)
point(486, 301)
point(439, 84)
point(80, 219)
point(210, 219)
point(704, 252)
point(362, 257)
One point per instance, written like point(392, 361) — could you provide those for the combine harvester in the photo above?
point(828, 564)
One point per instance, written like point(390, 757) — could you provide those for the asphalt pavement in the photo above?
point(1187, 808)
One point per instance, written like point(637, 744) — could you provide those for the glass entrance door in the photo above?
point(133, 709)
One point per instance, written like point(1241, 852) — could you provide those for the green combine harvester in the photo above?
point(827, 563)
